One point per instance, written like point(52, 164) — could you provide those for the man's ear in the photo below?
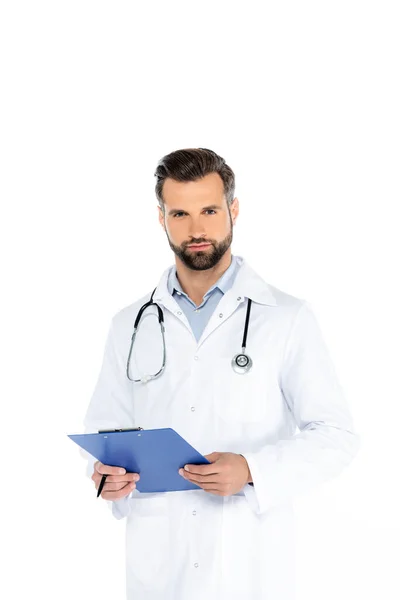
point(161, 217)
point(234, 208)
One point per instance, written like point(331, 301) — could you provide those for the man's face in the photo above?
point(196, 212)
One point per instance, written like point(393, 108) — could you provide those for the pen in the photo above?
point(103, 479)
point(102, 482)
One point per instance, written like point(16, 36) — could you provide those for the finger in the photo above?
point(208, 470)
point(118, 479)
point(206, 485)
point(113, 488)
point(116, 486)
point(110, 470)
point(127, 477)
point(217, 489)
point(213, 489)
point(115, 495)
point(214, 478)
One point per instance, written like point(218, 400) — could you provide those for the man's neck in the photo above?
point(197, 283)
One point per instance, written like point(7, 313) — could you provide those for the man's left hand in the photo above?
point(227, 474)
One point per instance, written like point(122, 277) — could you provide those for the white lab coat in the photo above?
point(288, 417)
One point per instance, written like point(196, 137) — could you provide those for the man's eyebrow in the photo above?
point(211, 206)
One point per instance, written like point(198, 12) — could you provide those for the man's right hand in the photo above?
point(118, 484)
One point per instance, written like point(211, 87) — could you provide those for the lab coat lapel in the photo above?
point(247, 284)
point(226, 306)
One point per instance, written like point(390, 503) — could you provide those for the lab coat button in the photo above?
point(221, 315)
point(196, 358)
point(194, 512)
point(192, 408)
point(179, 312)
point(240, 297)
point(196, 565)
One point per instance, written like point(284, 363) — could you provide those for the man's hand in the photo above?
point(227, 474)
point(118, 484)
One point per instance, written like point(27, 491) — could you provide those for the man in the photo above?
point(270, 433)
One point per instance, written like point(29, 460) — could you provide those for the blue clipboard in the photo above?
point(156, 454)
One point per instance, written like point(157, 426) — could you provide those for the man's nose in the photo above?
point(197, 230)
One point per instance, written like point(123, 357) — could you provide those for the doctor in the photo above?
point(271, 432)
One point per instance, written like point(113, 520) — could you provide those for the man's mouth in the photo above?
point(199, 246)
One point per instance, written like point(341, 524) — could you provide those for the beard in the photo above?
point(201, 260)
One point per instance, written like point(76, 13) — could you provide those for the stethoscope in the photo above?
point(241, 363)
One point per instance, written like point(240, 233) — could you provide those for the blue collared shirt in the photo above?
point(198, 316)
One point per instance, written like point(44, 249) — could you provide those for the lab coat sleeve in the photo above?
point(326, 442)
point(110, 407)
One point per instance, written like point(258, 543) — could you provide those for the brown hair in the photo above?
point(190, 164)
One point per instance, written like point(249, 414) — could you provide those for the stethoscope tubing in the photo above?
point(241, 363)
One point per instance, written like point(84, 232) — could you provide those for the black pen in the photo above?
point(103, 479)
point(102, 482)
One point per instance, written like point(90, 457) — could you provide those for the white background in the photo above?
point(302, 100)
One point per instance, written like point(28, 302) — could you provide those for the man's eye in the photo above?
point(181, 213)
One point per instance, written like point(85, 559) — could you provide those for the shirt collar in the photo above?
point(247, 284)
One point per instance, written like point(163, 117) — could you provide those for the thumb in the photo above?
point(213, 456)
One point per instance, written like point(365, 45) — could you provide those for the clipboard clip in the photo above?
point(112, 430)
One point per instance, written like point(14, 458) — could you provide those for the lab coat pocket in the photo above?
point(240, 397)
point(148, 541)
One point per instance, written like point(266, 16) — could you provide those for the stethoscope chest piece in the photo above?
point(241, 363)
